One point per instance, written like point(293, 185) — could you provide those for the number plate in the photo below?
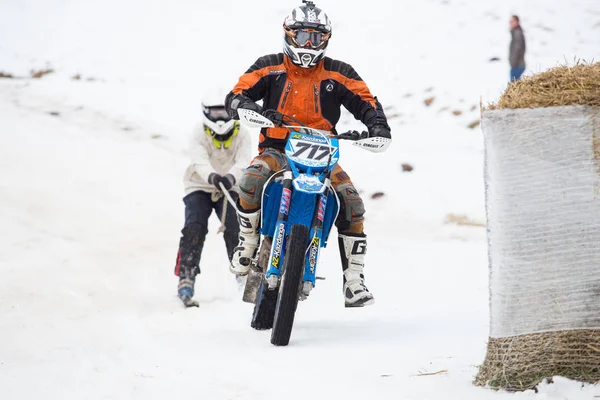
point(311, 151)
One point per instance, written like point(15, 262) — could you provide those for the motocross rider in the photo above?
point(304, 84)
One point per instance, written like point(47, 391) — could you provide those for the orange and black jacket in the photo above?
point(310, 95)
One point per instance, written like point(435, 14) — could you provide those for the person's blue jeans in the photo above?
point(515, 73)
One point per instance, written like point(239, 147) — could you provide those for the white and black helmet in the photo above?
point(217, 122)
point(307, 32)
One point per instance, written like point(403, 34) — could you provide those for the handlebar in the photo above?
point(280, 119)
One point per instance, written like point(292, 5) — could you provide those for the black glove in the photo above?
point(353, 135)
point(228, 180)
point(233, 102)
point(275, 116)
point(250, 105)
point(379, 130)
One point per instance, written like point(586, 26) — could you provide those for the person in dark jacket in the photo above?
point(516, 55)
point(303, 83)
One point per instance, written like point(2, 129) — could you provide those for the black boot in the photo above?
point(188, 261)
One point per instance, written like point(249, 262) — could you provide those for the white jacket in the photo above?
point(207, 159)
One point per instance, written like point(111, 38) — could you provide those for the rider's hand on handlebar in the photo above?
point(275, 116)
point(248, 104)
point(379, 130)
point(353, 135)
point(228, 180)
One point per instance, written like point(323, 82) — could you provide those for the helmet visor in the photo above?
point(216, 113)
point(309, 37)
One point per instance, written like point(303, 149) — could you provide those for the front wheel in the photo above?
point(293, 270)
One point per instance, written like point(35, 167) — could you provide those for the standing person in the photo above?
point(303, 83)
point(516, 54)
point(220, 150)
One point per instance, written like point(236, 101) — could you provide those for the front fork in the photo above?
point(273, 272)
point(279, 237)
point(312, 255)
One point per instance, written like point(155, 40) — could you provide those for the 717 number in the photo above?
point(314, 148)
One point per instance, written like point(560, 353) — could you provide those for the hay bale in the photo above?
point(522, 362)
point(560, 86)
point(542, 165)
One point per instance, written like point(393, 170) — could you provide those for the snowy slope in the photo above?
point(90, 201)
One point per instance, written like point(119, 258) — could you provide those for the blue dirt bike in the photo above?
point(299, 208)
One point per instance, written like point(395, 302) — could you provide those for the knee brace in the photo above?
point(352, 210)
point(251, 185)
point(256, 175)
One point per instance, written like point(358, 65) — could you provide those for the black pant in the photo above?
point(198, 208)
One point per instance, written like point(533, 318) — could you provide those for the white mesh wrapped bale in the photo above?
point(542, 174)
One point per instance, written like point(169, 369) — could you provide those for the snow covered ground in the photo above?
point(90, 201)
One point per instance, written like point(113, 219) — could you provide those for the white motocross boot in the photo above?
point(249, 239)
point(352, 252)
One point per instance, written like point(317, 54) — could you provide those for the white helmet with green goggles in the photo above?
point(218, 124)
point(307, 32)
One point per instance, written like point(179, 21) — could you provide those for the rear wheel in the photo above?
point(293, 270)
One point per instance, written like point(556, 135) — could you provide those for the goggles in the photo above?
point(308, 37)
point(216, 113)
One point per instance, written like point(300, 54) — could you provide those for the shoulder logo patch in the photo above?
point(329, 87)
